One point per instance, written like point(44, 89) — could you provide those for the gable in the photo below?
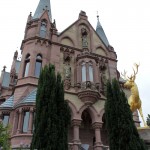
point(72, 36)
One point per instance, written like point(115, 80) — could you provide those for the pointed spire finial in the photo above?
point(4, 68)
point(98, 22)
point(97, 16)
point(101, 32)
point(42, 6)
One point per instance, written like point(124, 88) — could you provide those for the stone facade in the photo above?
point(85, 61)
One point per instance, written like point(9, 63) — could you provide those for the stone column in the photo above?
point(30, 121)
point(1, 117)
point(19, 121)
point(15, 122)
point(76, 140)
point(98, 143)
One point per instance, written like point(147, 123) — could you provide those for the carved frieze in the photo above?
point(67, 56)
point(87, 54)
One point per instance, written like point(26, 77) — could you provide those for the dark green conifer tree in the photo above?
point(123, 134)
point(51, 111)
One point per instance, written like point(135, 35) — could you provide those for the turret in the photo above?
point(35, 47)
point(101, 33)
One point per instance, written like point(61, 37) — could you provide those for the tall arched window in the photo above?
point(5, 120)
point(87, 72)
point(83, 71)
point(43, 28)
point(25, 121)
point(27, 65)
point(90, 72)
point(38, 65)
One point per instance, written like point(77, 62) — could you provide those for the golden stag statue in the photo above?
point(134, 100)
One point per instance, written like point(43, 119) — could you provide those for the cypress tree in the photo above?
point(51, 127)
point(123, 134)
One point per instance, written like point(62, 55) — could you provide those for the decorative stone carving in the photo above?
point(67, 76)
point(76, 122)
point(97, 125)
point(103, 78)
point(102, 65)
point(67, 71)
point(88, 93)
point(88, 96)
point(67, 84)
point(88, 85)
point(67, 54)
point(84, 34)
point(87, 54)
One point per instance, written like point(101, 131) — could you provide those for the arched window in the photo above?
point(25, 121)
point(27, 65)
point(90, 72)
point(87, 72)
point(43, 28)
point(83, 72)
point(5, 120)
point(38, 65)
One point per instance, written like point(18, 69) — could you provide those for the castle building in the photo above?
point(85, 60)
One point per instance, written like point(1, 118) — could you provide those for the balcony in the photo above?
point(88, 92)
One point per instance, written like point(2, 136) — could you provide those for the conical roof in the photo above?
point(43, 5)
point(101, 32)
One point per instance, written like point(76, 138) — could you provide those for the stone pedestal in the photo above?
point(144, 133)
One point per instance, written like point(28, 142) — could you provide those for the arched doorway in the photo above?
point(86, 131)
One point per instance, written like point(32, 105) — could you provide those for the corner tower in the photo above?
point(35, 48)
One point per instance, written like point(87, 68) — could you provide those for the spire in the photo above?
point(43, 5)
point(101, 32)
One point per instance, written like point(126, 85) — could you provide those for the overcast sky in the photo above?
point(126, 24)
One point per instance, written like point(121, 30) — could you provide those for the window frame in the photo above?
point(26, 65)
point(38, 60)
point(88, 72)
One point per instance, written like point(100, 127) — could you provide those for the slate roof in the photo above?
point(8, 103)
point(31, 98)
point(101, 32)
point(6, 79)
point(43, 5)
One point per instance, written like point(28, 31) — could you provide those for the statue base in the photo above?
point(144, 133)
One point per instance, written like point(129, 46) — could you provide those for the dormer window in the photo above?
point(38, 65)
point(43, 28)
point(27, 65)
point(87, 72)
